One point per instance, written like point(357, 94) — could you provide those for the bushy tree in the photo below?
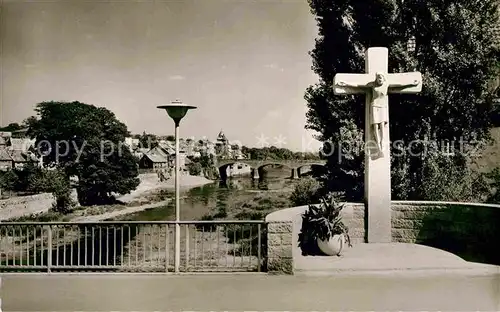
point(60, 187)
point(305, 192)
point(86, 141)
point(148, 141)
point(9, 180)
point(208, 165)
point(195, 168)
point(454, 50)
point(12, 127)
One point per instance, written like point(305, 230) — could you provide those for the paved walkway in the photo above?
point(446, 292)
point(372, 258)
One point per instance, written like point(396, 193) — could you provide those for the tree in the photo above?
point(305, 192)
point(9, 180)
point(454, 50)
point(195, 168)
point(86, 141)
point(12, 127)
point(148, 141)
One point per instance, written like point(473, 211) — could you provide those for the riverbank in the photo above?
point(151, 193)
point(150, 183)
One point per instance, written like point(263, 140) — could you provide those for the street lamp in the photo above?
point(177, 110)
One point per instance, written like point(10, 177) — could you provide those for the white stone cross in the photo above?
point(376, 83)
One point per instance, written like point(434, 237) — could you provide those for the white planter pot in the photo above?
point(333, 246)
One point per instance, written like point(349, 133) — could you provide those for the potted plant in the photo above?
point(322, 228)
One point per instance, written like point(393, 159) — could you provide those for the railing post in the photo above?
point(167, 247)
point(49, 249)
point(259, 248)
point(177, 251)
point(187, 247)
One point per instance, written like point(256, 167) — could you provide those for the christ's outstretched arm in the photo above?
point(414, 83)
point(351, 85)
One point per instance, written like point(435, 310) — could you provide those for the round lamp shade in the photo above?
point(176, 109)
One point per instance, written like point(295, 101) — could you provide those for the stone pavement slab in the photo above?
point(254, 292)
point(390, 257)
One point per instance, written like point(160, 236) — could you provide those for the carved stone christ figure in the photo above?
point(379, 108)
point(378, 100)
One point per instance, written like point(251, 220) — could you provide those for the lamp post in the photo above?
point(177, 110)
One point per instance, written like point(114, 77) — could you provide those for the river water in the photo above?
point(196, 203)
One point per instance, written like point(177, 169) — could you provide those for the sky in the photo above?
point(244, 64)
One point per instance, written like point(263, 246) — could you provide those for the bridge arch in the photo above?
point(301, 170)
point(223, 168)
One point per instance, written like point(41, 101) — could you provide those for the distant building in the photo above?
point(222, 147)
point(17, 152)
point(5, 160)
point(206, 147)
point(132, 143)
point(22, 144)
point(162, 157)
point(235, 152)
point(140, 152)
point(154, 159)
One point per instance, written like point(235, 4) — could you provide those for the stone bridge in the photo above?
point(256, 166)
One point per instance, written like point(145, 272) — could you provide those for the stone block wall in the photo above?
point(353, 216)
point(279, 247)
point(407, 219)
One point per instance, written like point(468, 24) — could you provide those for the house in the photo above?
point(206, 147)
point(154, 159)
point(167, 147)
point(5, 160)
point(235, 152)
point(21, 144)
point(140, 152)
point(20, 158)
point(10, 159)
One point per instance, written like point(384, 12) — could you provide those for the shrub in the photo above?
point(305, 192)
point(195, 168)
point(449, 178)
point(60, 187)
point(9, 180)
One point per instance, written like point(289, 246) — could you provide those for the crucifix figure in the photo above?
point(377, 91)
point(376, 84)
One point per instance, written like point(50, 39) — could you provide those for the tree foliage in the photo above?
point(454, 51)
point(86, 141)
point(195, 168)
point(148, 141)
point(305, 192)
point(276, 153)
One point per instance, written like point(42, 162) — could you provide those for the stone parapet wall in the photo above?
point(466, 229)
point(431, 222)
point(353, 216)
point(279, 246)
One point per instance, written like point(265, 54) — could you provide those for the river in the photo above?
point(214, 201)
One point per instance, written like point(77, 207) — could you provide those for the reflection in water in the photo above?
point(215, 198)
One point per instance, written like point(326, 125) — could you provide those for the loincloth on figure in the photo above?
point(379, 115)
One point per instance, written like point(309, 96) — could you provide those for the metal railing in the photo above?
point(132, 246)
